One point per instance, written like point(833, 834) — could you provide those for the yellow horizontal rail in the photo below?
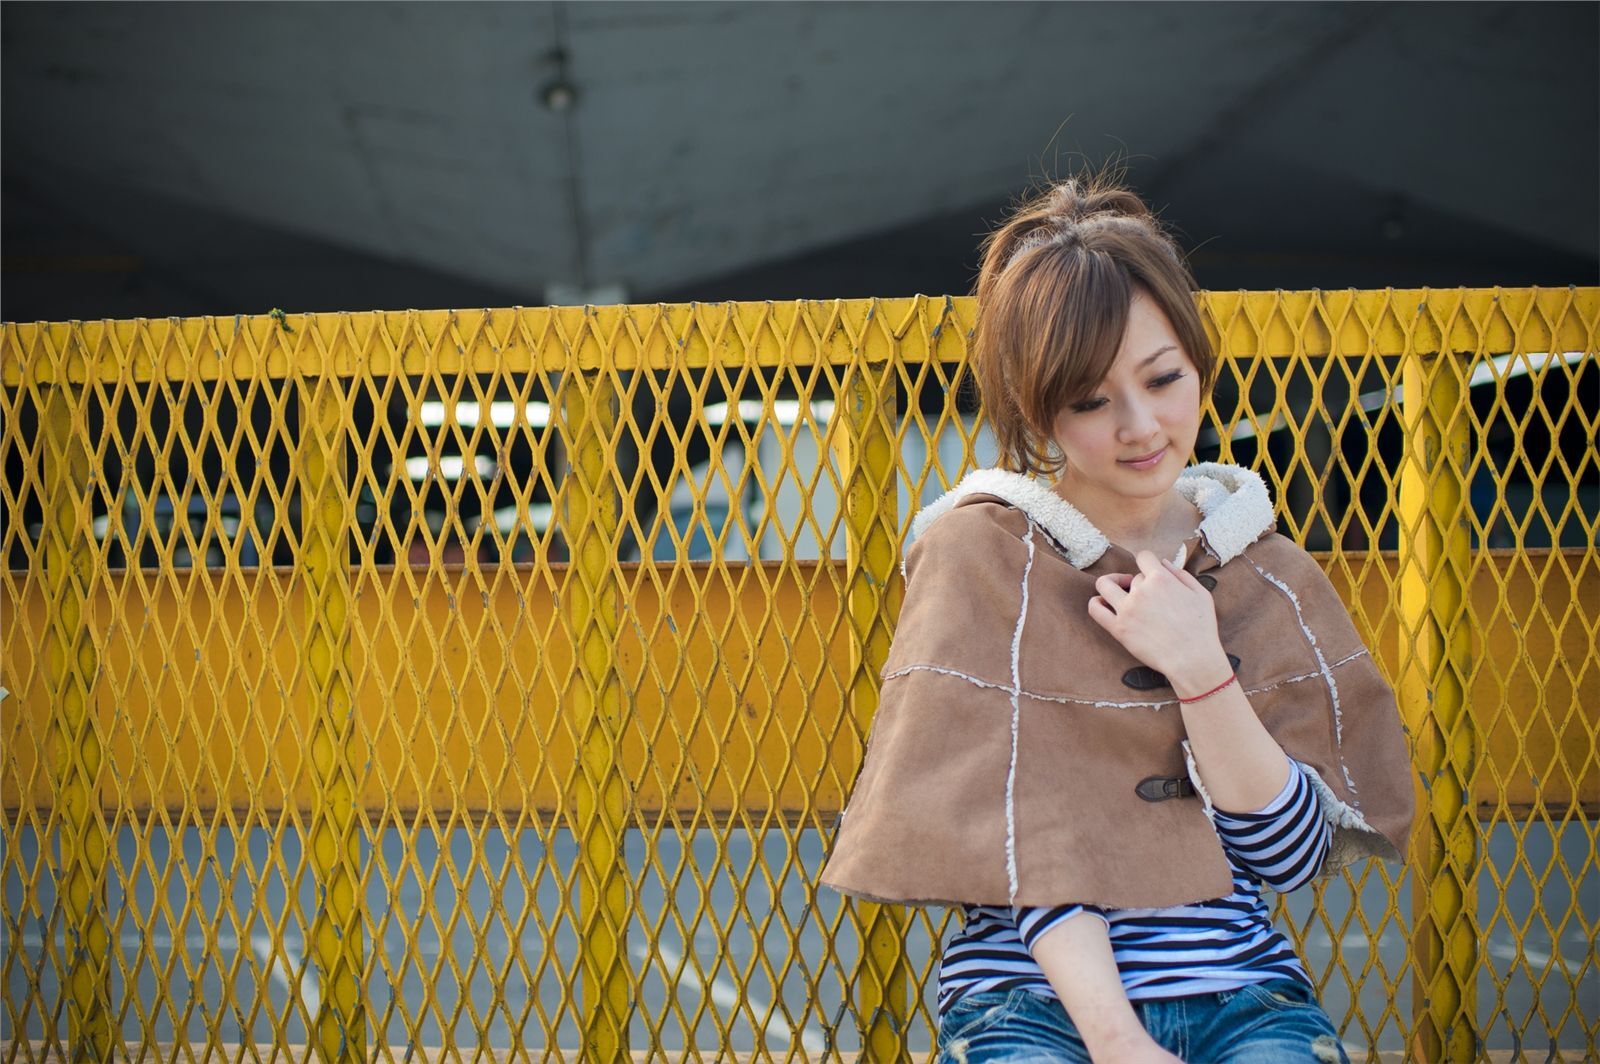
point(798, 333)
point(1534, 717)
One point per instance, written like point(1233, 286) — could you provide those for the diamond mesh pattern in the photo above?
point(466, 683)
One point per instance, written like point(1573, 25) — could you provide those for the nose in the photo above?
point(1138, 422)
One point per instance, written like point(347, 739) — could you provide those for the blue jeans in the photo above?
point(1275, 1022)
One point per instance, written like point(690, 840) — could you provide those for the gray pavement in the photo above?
point(719, 958)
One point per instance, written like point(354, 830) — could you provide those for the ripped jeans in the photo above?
point(1275, 1022)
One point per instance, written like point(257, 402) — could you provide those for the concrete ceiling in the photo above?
point(706, 140)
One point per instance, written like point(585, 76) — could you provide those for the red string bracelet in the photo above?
point(1231, 677)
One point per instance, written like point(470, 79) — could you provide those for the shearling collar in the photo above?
point(1233, 500)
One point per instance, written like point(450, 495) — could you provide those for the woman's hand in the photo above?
point(1136, 1049)
point(1161, 614)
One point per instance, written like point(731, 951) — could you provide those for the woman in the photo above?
point(1118, 703)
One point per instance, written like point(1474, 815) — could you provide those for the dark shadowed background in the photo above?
point(209, 158)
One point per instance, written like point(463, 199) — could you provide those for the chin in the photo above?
point(1149, 487)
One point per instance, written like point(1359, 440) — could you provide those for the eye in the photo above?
point(1090, 405)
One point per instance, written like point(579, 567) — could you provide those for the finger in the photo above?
point(1101, 612)
point(1111, 586)
point(1188, 578)
point(1149, 563)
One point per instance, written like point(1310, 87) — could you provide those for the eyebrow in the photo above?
point(1157, 353)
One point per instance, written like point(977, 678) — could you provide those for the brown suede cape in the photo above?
point(1013, 732)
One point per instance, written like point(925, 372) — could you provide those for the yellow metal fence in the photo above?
point(486, 683)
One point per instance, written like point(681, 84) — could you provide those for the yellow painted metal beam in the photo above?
point(797, 333)
point(1536, 722)
point(1435, 678)
point(336, 936)
point(74, 726)
point(594, 699)
point(867, 454)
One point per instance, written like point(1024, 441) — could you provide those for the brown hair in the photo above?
point(1053, 295)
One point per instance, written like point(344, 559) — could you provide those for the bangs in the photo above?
point(1073, 310)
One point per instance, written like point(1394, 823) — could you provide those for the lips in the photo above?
point(1147, 460)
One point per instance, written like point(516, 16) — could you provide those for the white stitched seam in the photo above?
point(1101, 702)
point(974, 681)
point(1326, 669)
point(1303, 676)
point(1016, 722)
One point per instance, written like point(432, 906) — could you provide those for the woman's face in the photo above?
point(1149, 403)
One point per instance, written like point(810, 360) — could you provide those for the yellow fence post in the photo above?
point(868, 465)
point(593, 516)
point(1435, 555)
point(340, 1026)
point(72, 664)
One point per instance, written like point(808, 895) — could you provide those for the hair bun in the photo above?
point(1073, 201)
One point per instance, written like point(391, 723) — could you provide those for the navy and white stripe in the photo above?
point(1214, 945)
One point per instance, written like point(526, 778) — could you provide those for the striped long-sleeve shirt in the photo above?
point(1213, 945)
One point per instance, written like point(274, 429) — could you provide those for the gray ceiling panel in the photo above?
point(713, 138)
